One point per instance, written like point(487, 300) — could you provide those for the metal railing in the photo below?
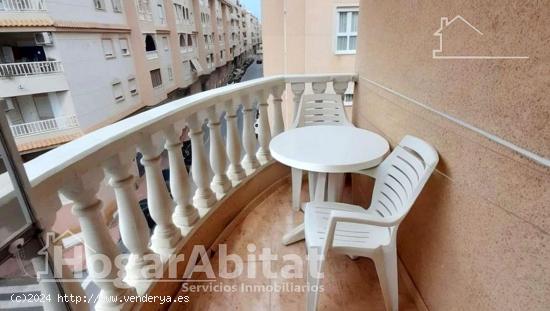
point(44, 126)
point(30, 68)
point(23, 5)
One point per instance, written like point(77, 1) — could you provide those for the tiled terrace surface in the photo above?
point(350, 285)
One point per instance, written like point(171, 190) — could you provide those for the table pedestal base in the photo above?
point(322, 192)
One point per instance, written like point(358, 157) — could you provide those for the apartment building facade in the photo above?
point(295, 41)
point(69, 67)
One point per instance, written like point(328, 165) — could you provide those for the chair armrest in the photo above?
point(354, 217)
point(369, 172)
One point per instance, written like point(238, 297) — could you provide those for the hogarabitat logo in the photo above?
point(199, 267)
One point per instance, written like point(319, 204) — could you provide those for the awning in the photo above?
point(196, 66)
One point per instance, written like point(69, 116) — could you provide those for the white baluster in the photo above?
point(235, 171)
point(100, 249)
point(132, 223)
point(319, 87)
point(185, 214)
point(264, 135)
point(340, 86)
point(204, 196)
point(250, 162)
point(220, 183)
point(166, 235)
point(278, 123)
point(298, 89)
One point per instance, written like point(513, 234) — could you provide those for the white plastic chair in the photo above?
point(316, 109)
point(354, 231)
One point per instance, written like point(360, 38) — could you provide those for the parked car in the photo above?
point(259, 61)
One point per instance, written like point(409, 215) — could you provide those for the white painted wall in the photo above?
point(90, 76)
point(84, 11)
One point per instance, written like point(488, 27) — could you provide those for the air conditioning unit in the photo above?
point(43, 38)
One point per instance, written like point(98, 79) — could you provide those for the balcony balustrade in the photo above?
point(22, 5)
point(44, 126)
point(152, 54)
point(76, 170)
point(30, 68)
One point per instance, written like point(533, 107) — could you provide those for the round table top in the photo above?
point(329, 148)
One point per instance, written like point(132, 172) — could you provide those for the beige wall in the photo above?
point(308, 33)
point(478, 236)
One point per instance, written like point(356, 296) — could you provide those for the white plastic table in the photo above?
point(327, 149)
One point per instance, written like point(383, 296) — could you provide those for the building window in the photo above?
point(132, 86)
point(165, 43)
point(190, 40)
point(118, 91)
point(124, 47)
point(117, 6)
point(160, 10)
point(99, 5)
point(150, 43)
point(179, 13)
point(183, 43)
point(108, 50)
point(156, 78)
point(346, 30)
point(170, 73)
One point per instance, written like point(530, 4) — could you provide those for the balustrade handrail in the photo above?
point(30, 68)
point(124, 132)
point(77, 168)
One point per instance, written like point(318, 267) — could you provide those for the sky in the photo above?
point(254, 6)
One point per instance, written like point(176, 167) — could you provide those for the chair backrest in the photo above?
point(401, 177)
point(321, 109)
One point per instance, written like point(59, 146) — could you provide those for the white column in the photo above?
point(132, 224)
point(278, 123)
point(100, 249)
point(250, 162)
point(166, 235)
point(264, 135)
point(235, 170)
point(319, 87)
point(204, 196)
point(218, 159)
point(185, 214)
point(298, 89)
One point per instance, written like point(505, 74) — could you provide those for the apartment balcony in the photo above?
point(23, 6)
point(230, 176)
point(44, 126)
point(45, 134)
point(30, 13)
point(26, 78)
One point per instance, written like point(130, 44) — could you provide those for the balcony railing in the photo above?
point(152, 54)
point(77, 169)
point(30, 68)
point(22, 5)
point(44, 126)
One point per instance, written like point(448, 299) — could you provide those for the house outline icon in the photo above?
point(52, 239)
point(444, 23)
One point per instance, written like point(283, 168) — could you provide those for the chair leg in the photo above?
point(312, 182)
point(296, 188)
point(386, 268)
point(314, 270)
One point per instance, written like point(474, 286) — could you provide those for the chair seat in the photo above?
point(347, 235)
